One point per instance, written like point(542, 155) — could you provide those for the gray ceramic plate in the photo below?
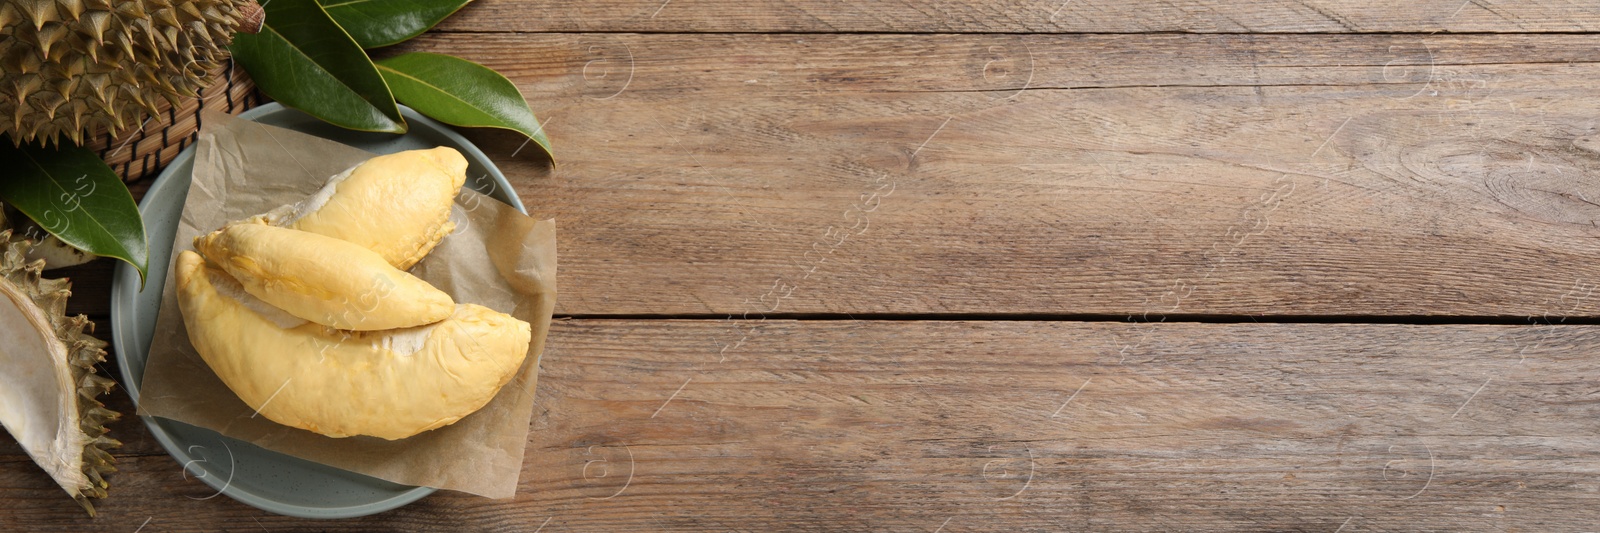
point(268, 480)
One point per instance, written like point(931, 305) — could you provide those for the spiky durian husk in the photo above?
point(70, 66)
point(83, 352)
point(44, 246)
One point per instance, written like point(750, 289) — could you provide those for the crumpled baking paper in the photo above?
point(496, 257)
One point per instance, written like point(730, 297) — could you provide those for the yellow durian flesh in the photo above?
point(48, 383)
point(388, 384)
point(397, 205)
point(328, 281)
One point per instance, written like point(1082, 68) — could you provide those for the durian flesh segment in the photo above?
point(328, 281)
point(388, 384)
point(397, 205)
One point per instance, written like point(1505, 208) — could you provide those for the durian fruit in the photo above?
point(397, 204)
point(70, 66)
point(390, 384)
point(46, 247)
point(325, 280)
point(48, 383)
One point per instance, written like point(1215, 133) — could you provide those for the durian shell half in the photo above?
point(48, 386)
point(389, 384)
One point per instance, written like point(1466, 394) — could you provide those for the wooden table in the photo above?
point(1084, 265)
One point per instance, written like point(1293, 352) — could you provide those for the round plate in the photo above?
point(268, 480)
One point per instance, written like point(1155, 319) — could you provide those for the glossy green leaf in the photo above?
point(73, 195)
point(375, 23)
point(462, 93)
point(303, 60)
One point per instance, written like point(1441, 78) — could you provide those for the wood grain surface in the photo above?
point(1394, 175)
point(1001, 426)
point(1030, 16)
point(1387, 175)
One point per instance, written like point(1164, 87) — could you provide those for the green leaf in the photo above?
point(375, 23)
point(302, 59)
point(73, 195)
point(460, 92)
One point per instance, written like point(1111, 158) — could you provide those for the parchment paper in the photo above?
point(496, 257)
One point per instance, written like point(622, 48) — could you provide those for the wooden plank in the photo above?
point(1136, 174)
point(1003, 426)
point(1028, 16)
point(1166, 174)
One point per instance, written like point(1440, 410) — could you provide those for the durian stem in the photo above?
point(251, 18)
